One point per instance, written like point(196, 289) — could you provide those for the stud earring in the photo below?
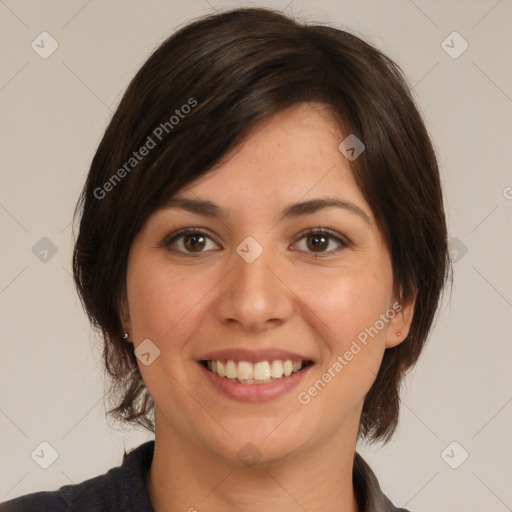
point(124, 337)
point(398, 333)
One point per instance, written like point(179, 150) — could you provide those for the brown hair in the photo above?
point(194, 99)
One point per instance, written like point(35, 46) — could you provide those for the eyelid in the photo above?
point(323, 230)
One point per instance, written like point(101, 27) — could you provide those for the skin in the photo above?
point(296, 298)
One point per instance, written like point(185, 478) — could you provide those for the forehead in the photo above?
point(290, 156)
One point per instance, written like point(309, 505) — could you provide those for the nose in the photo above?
point(254, 296)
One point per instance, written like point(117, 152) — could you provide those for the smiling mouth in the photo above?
point(261, 372)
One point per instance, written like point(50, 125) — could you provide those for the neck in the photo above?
point(186, 477)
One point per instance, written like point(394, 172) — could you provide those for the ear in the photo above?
point(400, 323)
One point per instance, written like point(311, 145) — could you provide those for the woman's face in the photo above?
point(272, 277)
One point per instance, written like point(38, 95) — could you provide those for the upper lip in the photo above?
point(252, 356)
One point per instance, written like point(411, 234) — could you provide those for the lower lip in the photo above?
point(255, 392)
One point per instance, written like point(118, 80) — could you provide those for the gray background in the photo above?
point(54, 112)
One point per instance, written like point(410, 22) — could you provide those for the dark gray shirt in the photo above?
point(124, 489)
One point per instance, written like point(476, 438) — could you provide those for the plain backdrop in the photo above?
point(456, 402)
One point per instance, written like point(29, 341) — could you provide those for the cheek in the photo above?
point(352, 341)
point(349, 302)
point(163, 302)
point(165, 307)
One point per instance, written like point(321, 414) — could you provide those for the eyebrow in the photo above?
point(294, 210)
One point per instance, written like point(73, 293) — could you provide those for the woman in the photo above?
point(262, 246)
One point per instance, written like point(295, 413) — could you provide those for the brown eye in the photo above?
point(321, 242)
point(194, 242)
point(189, 242)
point(317, 243)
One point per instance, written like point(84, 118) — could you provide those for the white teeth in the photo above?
point(261, 372)
point(231, 370)
point(244, 370)
point(276, 370)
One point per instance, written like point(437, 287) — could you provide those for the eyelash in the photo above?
point(320, 231)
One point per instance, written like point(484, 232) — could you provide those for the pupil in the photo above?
point(193, 240)
point(317, 241)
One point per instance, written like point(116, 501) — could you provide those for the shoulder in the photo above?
point(90, 491)
point(89, 496)
point(121, 488)
point(42, 501)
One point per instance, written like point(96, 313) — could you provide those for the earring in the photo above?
point(124, 337)
point(399, 333)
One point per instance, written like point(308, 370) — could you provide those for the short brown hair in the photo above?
point(232, 69)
